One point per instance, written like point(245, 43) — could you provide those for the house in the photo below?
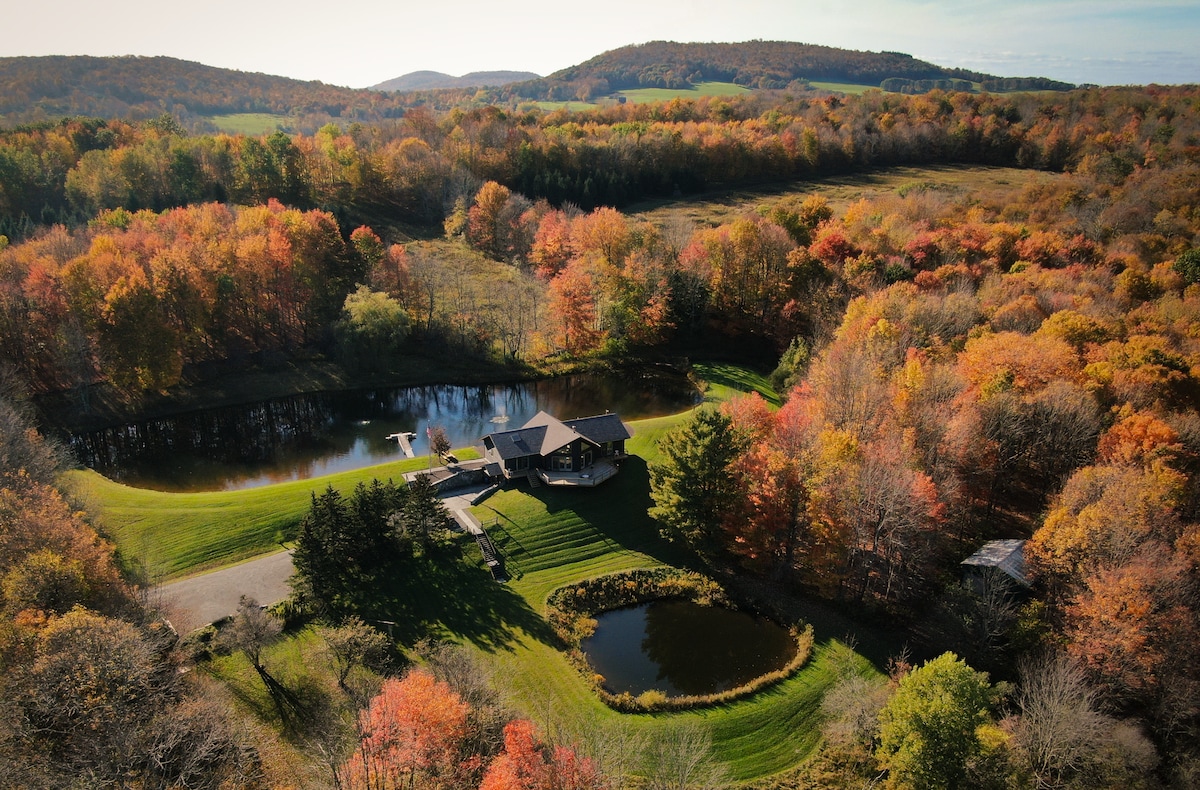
point(1006, 557)
point(582, 452)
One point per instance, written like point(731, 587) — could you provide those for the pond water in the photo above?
point(307, 436)
point(684, 649)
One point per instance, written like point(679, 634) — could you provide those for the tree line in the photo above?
point(417, 166)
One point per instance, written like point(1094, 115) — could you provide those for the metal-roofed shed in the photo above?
point(1005, 556)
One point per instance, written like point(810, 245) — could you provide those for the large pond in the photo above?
point(307, 436)
point(684, 649)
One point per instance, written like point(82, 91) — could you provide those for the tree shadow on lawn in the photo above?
point(615, 511)
point(444, 595)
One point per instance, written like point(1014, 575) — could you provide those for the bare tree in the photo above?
point(253, 630)
point(682, 760)
point(1064, 739)
point(851, 708)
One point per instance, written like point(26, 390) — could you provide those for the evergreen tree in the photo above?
point(423, 513)
point(692, 486)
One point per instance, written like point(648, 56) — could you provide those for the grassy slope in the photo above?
point(842, 87)
point(552, 537)
point(249, 123)
point(171, 535)
point(647, 95)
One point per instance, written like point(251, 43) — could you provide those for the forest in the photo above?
point(755, 64)
point(956, 365)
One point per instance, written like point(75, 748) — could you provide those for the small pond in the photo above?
point(306, 436)
point(684, 649)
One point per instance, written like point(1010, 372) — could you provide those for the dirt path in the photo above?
point(200, 600)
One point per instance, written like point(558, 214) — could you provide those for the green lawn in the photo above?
point(724, 381)
point(647, 95)
point(171, 535)
point(570, 106)
point(549, 537)
point(249, 123)
point(842, 87)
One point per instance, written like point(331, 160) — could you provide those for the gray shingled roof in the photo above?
point(1007, 555)
point(557, 435)
point(544, 434)
point(518, 443)
point(601, 428)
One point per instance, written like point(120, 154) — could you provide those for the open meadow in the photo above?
point(250, 123)
point(984, 183)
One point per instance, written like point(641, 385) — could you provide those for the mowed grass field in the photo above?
point(851, 88)
point(249, 123)
point(648, 95)
point(549, 537)
point(170, 535)
point(553, 537)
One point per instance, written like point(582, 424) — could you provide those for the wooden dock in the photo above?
point(405, 442)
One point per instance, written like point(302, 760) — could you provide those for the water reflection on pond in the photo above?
point(684, 649)
point(311, 435)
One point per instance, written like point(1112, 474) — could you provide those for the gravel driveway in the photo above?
point(198, 601)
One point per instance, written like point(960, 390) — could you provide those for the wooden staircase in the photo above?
point(490, 556)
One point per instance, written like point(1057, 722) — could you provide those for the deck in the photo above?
point(593, 475)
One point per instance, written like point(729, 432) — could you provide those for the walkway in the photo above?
point(200, 600)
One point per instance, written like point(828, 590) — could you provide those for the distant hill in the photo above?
point(754, 64)
point(431, 80)
point(32, 88)
point(36, 89)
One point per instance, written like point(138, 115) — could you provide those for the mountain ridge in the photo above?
point(753, 64)
point(36, 89)
point(433, 80)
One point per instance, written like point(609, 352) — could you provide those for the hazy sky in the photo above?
point(363, 42)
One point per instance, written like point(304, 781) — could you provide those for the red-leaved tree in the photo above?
point(526, 764)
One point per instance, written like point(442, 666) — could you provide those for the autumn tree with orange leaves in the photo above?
point(526, 764)
point(412, 736)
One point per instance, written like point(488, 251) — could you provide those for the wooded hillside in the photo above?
point(754, 64)
point(36, 89)
point(142, 87)
point(960, 361)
